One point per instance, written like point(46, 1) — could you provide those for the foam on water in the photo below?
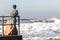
point(40, 29)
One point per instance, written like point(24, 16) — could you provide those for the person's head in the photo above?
point(14, 6)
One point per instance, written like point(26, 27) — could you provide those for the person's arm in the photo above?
point(17, 14)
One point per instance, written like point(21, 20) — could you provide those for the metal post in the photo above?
point(19, 25)
point(3, 25)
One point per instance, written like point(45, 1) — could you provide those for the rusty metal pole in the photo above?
point(3, 25)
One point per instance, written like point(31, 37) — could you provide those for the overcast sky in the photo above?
point(32, 9)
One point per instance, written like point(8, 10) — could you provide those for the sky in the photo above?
point(32, 9)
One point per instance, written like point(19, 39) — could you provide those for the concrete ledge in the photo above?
point(13, 37)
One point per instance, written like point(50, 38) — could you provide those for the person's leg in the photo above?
point(16, 33)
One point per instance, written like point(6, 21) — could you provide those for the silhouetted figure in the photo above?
point(14, 14)
point(11, 29)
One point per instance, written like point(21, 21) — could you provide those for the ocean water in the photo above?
point(30, 30)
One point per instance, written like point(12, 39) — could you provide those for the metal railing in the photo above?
point(3, 20)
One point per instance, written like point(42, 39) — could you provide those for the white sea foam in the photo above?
point(38, 29)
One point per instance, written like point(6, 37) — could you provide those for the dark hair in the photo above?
point(14, 6)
